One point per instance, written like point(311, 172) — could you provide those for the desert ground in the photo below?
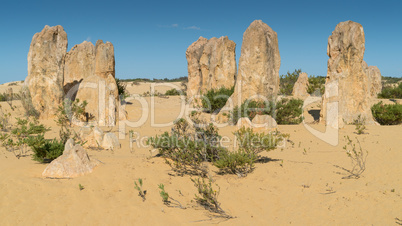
point(298, 184)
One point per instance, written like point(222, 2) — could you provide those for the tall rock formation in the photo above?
point(79, 64)
point(211, 65)
point(258, 65)
point(374, 79)
point(301, 86)
point(46, 70)
point(346, 82)
point(100, 89)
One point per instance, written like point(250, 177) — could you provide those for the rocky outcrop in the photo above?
point(259, 64)
point(102, 97)
point(346, 82)
point(74, 162)
point(301, 86)
point(46, 70)
point(374, 79)
point(79, 64)
point(110, 141)
point(104, 59)
point(211, 65)
point(264, 121)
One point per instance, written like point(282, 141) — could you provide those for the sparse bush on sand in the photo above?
point(387, 114)
point(358, 158)
point(167, 200)
point(215, 99)
point(208, 196)
point(138, 187)
point(285, 111)
point(360, 124)
point(173, 92)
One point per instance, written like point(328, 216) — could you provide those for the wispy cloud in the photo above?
point(192, 28)
point(88, 39)
point(169, 26)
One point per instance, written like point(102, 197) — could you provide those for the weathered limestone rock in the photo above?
point(374, 79)
point(110, 141)
point(104, 59)
point(211, 65)
point(46, 70)
point(265, 121)
point(244, 122)
point(102, 97)
point(74, 162)
point(79, 64)
point(346, 82)
point(193, 55)
point(301, 85)
point(259, 64)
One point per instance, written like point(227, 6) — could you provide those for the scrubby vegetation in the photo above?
point(391, 92)
point(357, 156)
point(316, 83)
point(121, 87)
point(173, 92)
point(360, 124)
point(180, 79)
point(216, 99)
point(141, 191)
point(387, 114)
point(288, 81)
point(285, 111)
point(390, 80)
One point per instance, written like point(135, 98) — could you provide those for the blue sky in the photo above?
point(151, 37)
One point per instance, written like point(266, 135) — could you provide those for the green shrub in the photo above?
point(45, 150)
point(173, 92)
point(252, 108)
point(360, 124)
point(387, 114)
point(216, 99)
point(288, 81)
point(237, 162)
point(390, 80)
point(121, 87)
point(289, 111)
point(389, 92)
point(316, 83)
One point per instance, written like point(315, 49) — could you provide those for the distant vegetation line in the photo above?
point(181, 79)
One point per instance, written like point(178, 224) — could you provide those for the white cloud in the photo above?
point(169, 26)
point(88, 39)
point(192, 28)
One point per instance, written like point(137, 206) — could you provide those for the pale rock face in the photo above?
point(244, 122)
point(74, 162)
point(110, 141)
point(104, 59)
point(46, 70)
point(264, 121)
point(258, 65)
point(374, 79)
point(346, 82)
point(301, 85)
point(79, 64)
point(102, 97)
point(211, 65)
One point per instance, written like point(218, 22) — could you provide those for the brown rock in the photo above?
point(259, 64)
point(301, 86)
point(104, 59)
point(374, 79)
point(211, 65)
point(79, 64)
point(46, 70)
point(265, 121)
point(347, 82)
point(74, 162)
point(102, 97)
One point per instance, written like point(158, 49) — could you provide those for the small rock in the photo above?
point(110, 141)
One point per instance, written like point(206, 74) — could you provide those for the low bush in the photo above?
point(391, 92)
point(252, 108)
point(121, 87)
point(285, 111)
point(216, 99)
point(173, 92)
point(288, 81)
point(289, 111)
point(45, 150)
point(316, 83)
point(387, 114)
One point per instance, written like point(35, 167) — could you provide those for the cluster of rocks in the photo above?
point(350, 81)
point(94, 137)
point(86, 72)
point(211, 65)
